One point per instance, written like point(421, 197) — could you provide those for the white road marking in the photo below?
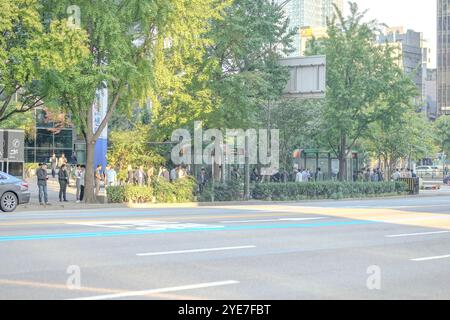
point(162, 290)
point(431, 258)
point(416, 234)
point(274, 220)
point(424, 218)
point(193, 251)
point(146, 225)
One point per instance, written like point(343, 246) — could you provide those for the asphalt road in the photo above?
point(375, 249)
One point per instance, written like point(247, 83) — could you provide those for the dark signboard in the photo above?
point(12, 145)
point(2, 146)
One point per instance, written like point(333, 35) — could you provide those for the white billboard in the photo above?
point(308, 77)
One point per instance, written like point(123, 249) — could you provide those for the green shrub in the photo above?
point(137, 194)
point(325, 190)
point(116, 194)
point(230, 191)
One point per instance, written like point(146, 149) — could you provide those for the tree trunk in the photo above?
point(90, 151)
point(343, 159)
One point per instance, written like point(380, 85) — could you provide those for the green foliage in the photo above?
point(182, 190)
point(230, 191)
point(129, 193)
point(132, 148)
point(162, 191)
point(365, 84)
point(30, 49)
point(442, 133)
point(325, 190)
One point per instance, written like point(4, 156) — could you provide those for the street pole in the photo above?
point(213, 178)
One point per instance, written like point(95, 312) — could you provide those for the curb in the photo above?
point(73, 206)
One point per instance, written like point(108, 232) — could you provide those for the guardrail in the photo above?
point(413, 185)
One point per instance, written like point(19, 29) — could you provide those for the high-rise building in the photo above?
point(308, 13)
point(414, 54)
point(443, 57)
point(431, 94)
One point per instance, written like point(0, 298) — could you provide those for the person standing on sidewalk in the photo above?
point(78, 182)
point(54, 164)
point(63, 178)
point(82, 182)
point(98, 179)
point(42, 178)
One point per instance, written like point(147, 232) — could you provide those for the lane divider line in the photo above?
point(274, 220)
point(416, 234)
point(193, 251)
point(431, 258)
point(130, 294)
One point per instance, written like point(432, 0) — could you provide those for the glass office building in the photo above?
point(308, 13)
point(48, 137)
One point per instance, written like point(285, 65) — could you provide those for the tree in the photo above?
point(125, 39)
point(299, 123)
point(442, 133)
point(364, 83)
point(248, 42)
point(30, 48)
point(410, 136)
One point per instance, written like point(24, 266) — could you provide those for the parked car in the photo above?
point(13, 192)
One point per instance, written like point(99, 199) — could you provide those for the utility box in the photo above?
point(12, 152)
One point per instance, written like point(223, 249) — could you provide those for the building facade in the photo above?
point(431, 94)
point(50, 136)
point(308, 13)
point(443, 57)
point(414, 54)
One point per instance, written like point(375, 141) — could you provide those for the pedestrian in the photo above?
point(98, 179)
point(319, 175)
point(235, 175)
point(374, 177)
point(63, 178)
point(299, 176)
point(54, 164)
point(305, 176)
point(82, 182)
point(110, 176)
point(150, 174)
point(42, 178)
point(130, 175)
point(62, 161)
point(254, 177)
point(202, 180)
point(173, 174)
point(396, 175)
point(446, 170)
point(78, 182)
point(139, 176)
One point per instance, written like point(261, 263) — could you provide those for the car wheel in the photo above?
point(8, 202)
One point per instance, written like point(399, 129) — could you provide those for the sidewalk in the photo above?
point(53, 197)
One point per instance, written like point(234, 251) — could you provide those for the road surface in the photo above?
point(374, 249)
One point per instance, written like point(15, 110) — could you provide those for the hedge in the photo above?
point(230, 191)
point(325, 190)
point(182, 190)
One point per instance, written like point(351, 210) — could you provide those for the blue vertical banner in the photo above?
point(99, 113)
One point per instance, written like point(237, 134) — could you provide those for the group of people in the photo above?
point(63, 177)
point(403, 173)
point(141, 177)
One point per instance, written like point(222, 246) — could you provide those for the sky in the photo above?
point(419, 15)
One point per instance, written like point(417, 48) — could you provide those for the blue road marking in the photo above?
point(147, 232)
